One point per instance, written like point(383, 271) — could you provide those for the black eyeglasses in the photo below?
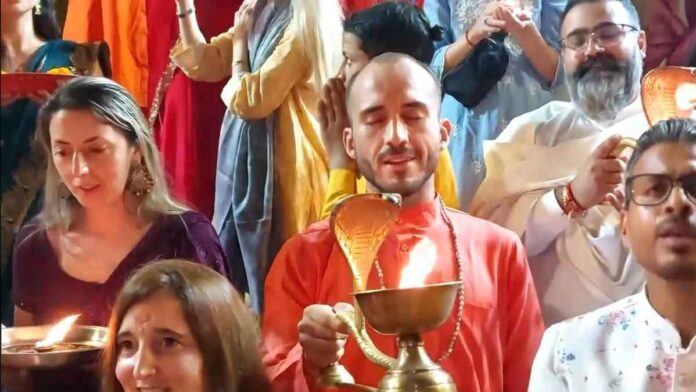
point(654, 189)
point(605, 35)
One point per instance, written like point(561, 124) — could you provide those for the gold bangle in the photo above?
point(562, 199)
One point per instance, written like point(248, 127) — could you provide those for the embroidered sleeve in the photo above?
point(206, 62)
point(257, 94)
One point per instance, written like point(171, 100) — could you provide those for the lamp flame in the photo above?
point(420, 263)
point(685, 97)
point(57, 333)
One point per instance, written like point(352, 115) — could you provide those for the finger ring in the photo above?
point(485, 21)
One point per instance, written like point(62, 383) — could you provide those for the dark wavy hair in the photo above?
point(226, 332)
point(46, 24)
point(394, 26)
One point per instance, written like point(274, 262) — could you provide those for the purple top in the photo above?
point(42, 288)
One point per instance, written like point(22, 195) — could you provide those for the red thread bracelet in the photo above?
point(574, 200)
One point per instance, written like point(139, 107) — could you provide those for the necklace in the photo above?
point(460, 277)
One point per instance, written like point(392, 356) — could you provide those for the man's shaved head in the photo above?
point(384, 63)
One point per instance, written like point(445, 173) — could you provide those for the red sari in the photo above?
point(188, 124)
point(358, 5)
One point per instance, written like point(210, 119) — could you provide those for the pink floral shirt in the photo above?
point(626, 346)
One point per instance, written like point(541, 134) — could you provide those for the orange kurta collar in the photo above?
point(421, 215)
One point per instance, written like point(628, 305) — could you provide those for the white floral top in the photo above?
point(626, 346)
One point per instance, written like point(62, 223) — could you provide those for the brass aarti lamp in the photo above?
point(669, 92)
point(666, 92)
point(360, 223)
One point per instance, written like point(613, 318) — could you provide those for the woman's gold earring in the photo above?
point(140, 182)
point(37, 8)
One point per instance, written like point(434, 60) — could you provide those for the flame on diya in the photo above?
point(52, 345)
point(53, 342)
point(414, 306)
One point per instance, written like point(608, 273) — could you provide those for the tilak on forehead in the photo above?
point(142, 319)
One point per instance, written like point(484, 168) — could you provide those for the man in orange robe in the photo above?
point(395, 139)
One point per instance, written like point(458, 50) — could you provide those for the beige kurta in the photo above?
point(281, 85)
point(578, 265)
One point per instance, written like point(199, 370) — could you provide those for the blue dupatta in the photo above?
point(244, 192)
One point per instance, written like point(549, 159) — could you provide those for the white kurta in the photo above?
point(578, 265)
point(626, 346)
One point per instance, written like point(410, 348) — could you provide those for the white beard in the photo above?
point(601, 96)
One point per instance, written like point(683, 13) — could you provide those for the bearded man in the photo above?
point(555, 174)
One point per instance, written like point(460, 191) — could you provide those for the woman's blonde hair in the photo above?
point(113, 105)
point(319, 26)
point(226, 332)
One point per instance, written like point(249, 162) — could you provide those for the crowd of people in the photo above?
point(188, 210)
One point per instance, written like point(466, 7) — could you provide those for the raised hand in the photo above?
point(601, 175)
point(244, 18)
point(516, 21)
point(487, 23)
point(333, 119)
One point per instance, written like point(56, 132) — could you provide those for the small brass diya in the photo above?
point(71, 364)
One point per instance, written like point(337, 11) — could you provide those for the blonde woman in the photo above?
point(107, 209)
point(272, 168)
point(30, 42)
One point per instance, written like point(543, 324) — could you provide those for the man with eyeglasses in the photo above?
point(646, 342)
point(554, 175)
